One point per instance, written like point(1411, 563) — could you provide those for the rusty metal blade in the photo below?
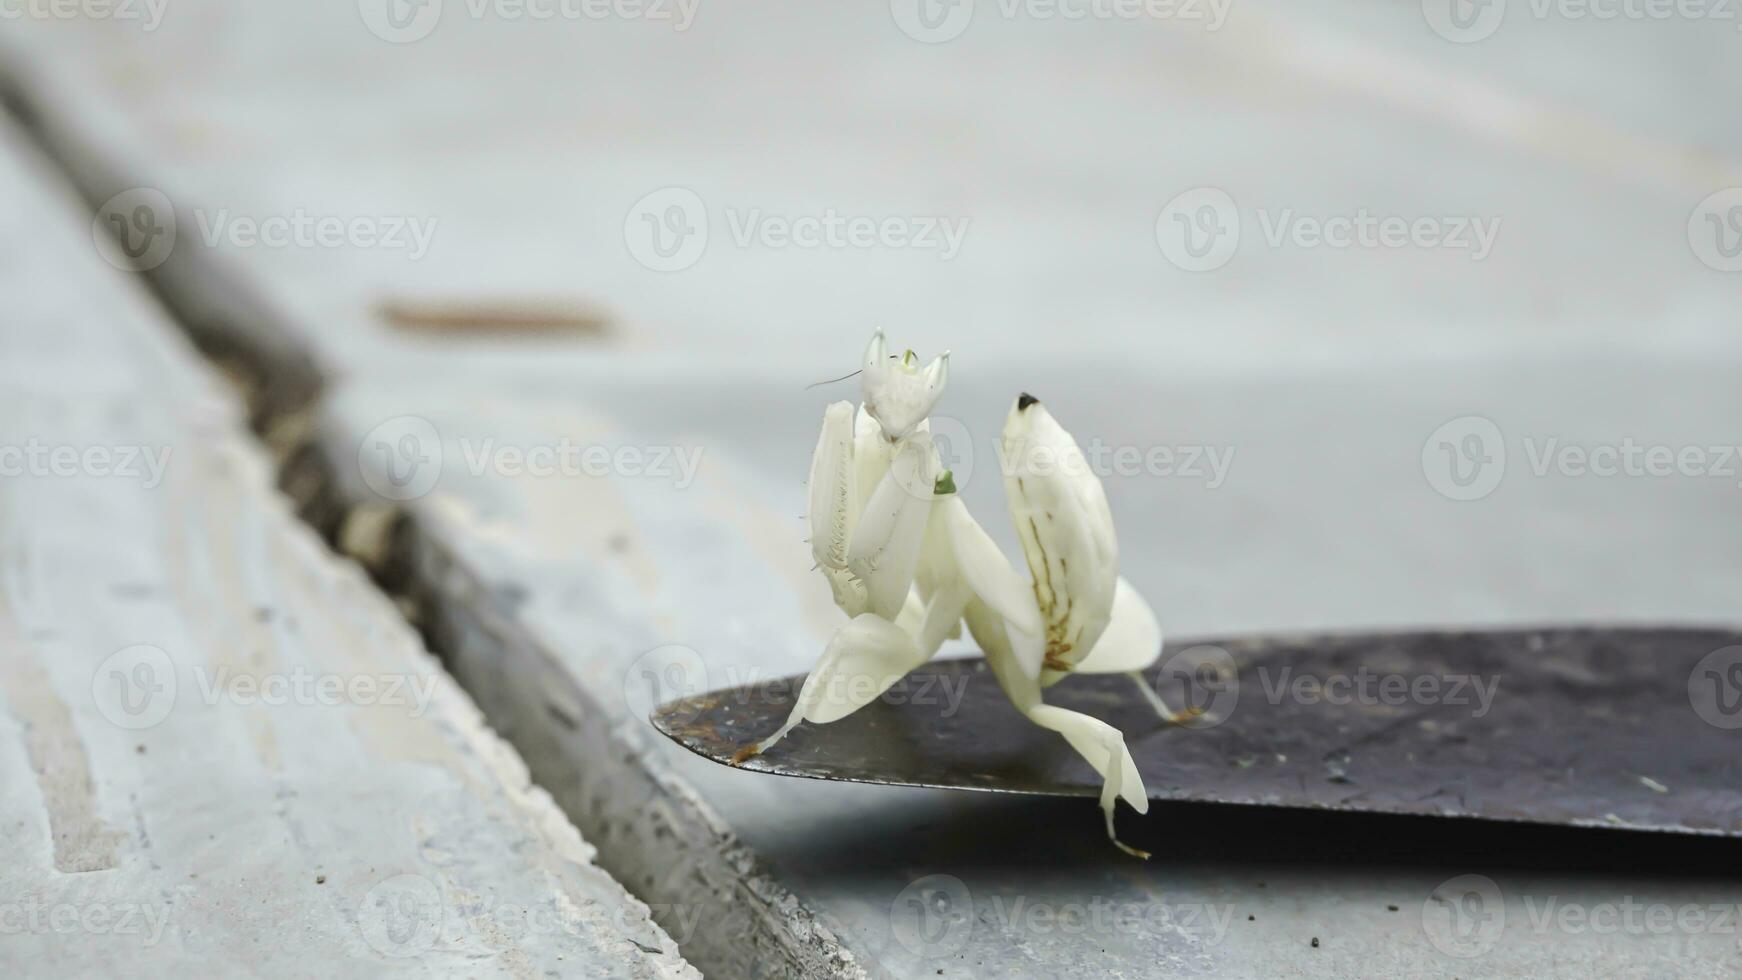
point(1636, 728)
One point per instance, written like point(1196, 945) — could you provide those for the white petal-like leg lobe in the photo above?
point(985, 568)
point(946, 586)
point(1096, 741)
point(988, 630)
point(866, 657)
point(1002, 644)
point(912, 613)
point(884, 549)
point(943, 615)
point(1130, 645)
point(1132, 640)
point(863, 659)
point(1099, 743)
point(1103, 747)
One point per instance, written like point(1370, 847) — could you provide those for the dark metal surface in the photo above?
point(1599, 727)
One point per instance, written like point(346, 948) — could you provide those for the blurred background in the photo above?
point(1023, 165)
point(1327, 247)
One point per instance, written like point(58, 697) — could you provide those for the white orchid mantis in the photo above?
point(905, 559)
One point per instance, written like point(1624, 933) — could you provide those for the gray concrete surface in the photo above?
point(1330, 375)
point(224, 752)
